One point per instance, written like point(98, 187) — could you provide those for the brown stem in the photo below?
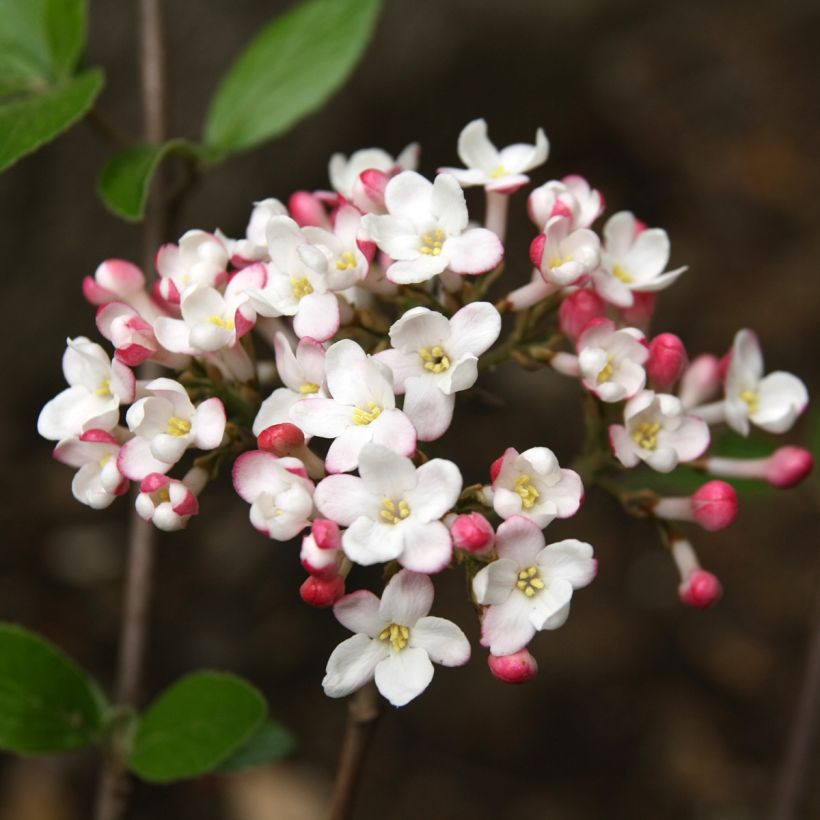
point(112, 793)
point(362, 713)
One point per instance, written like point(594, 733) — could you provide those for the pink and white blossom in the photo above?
point(200, 258)
point(97, 388)
point(97, 481)
point(395, 642)
point(714, 506)
point(345, 172)
point(785, 467)
point(530, 586)
point(434, 357)
point(565, 256)
point(612, 360)
point(117, 280)
point(393, 510)
point(169, 503)
point(667, 360)
point(657, 430)
point(133, 336)
point(532, 484)
point(572, 197)
point(425, 230)
point(362, 408)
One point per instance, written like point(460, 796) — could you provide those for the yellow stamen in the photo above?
point(619, 273)
point(752, 400)
point(392, 513)
point(346, 261)
point(606, 371)
point(397, 634)
point(499, 171)
point(163, 495)
point(104, 390)
point(307, 388)
point(435, 359)
point(557, 261)
point(104, 460)
point(529, 581)
point(178, 427)
point(432, 243)
point(361, 416)
point(646, 435)
point(529, 494)
point(301, 287)
point(214, 319)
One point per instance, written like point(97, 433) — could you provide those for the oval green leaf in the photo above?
point(288, 71)
point(270, 741)
point(47, 703)
point(194, 726)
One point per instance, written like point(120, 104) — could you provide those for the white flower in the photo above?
point(97, 481)
point(343, 257)
point(199, 259)
point(396, 641)
point(434, 357)
point(611, 361)
point(532, 484)
point(633, 259)
point(656, 431)
point(572, 197)
point(362, 408)
point(393, 509)
point(97, 387)
point(771, 402)
point(133, 337)
point(345, 173)
point(503, 171)
point(563, 255)
point(278, 490)
point(424, 230)
point(165, 425)
point(167, 502)
point(303, 376)
point(530, 586)
point(254, 247)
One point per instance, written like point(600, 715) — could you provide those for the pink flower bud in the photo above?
point(495, 467)
point(537, 249)
point(281, 439)
point(700, 590)
point(715, 505)
point(322, 592)
point(667, 360)
point(473, 532)
point(640, 314)
point(516, 668)
point(114, 279)
point(326, 533)
point(700, 381)
point(370, 188)
point(578, 310)
point(788, 466)
point(306, 209)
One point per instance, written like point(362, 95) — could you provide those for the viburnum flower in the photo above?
point(657, 431)
point(200, 258)
point(532, 484)
point(530, 586)
point(433, 358)
point(771, 402)
point(278, 490)
point(303, 376)
point(345, 173)
point(611, 360)
point(396, 641)
point(165, 424)
point(133, 337)
point(572, 197)
point(565, 256)
point(167, 502)
point(117, 280)
point(254, 247)
point(362, 408)
point(633, 260)
point(97, 481)
point(97, 387)
point(393, 509)
point(503, 171)
point(425, 230)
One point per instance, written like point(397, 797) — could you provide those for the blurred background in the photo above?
point(702, 118)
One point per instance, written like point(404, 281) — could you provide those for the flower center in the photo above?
point(397, 634)
point(646, 435)
point(104, 460)
point(362, 417)
point(178, 427)
point(392, 512)
point(214, 319)
point(619, 273)
point(160, 496)
point(435, 359)
point(499, 171)
point(529, 581)
point(752, 400)
point(104, 390)
point(301, 287)
point(346, 261)
point(557, 261)
point(606, 371)
point(432, 242)
point(529, 494)
point(307, 388)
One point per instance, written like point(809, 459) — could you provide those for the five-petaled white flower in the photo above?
point(168, 503)
point(572, 197)
point(97, 481)
point(565, 255)
point(612, 360)
point(396, 641)
point(530, 586)
point(393, 510)
point(433, 358)
point(503, 171)
point(425, 230)
point(200, 258)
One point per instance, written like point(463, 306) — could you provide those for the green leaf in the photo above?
point(288, 71)
point(126, 178)
point(47, 703)
point(269, 742)
point(28, 123)
point(41, 42)
point(194, 726)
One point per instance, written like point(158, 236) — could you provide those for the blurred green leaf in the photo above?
point(194, 726)
point(287, 72)
point(30, 122)
point(126, 178)
point(47, 703)
point(269, 742)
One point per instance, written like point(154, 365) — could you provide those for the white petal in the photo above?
point(408, 196)
point(442, 640)
point(506, 628)
point(359, 612)
point(344, 498)
point(475, 251)
point(569, 559)
point(474, 329)
point(404, 675)
point(343, 455)
point(419, 269)
point(386, 473)
point(782, 397)
point(429, 410)
point(369, 542)
point(494, 583)
point(550, 601)
point(428, 548)
point(519, 540)
point(317, 316)
point(352, 664)
point(438, 486)
point(407, 597)
point(448, 205)
point(418, 328)
point(475, 148)
point(394, 430)
point(321, 417)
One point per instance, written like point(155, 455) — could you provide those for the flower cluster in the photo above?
point(318, 354)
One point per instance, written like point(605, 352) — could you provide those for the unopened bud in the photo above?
point(307, 209)
point(714, 506)
point(473, 532)
point(326, 533)
point(516, 668)
point(578, 310)
point(281, 439)
point(537, 249)
point(701, 381)
point(640, 314)
point(788, 466)
point(667, 360)
point(322, 592)
point(700, 590)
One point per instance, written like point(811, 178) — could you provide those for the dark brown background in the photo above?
point(703, 118)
